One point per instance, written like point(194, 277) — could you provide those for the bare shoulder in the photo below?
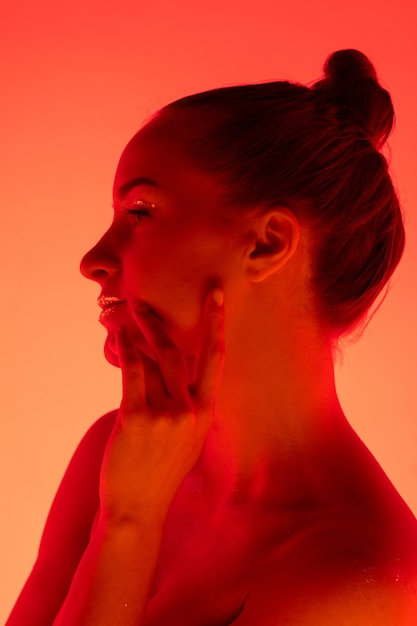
point(346, 573)
point(77, 499)
point(67, 530)
point(327, 602)
point(354, 564)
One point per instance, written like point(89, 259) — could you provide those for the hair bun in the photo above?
point(350, 83)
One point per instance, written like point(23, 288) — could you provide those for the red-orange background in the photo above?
point(77, 79)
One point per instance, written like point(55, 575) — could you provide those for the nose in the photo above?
point(100, 262)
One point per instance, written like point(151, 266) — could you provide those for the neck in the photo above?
point(277, 411)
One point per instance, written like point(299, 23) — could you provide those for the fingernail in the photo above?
point(218, 296)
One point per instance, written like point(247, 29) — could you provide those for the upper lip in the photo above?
point(106, 301)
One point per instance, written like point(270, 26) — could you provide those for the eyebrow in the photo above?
point(135, 182)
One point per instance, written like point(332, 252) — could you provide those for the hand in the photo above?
point(162, 422)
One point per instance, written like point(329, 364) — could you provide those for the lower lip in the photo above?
point(108, 311)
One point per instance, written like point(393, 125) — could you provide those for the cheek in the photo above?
point(173, 274)
point(168, 276)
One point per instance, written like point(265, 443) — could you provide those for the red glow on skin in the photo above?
point(281, 486)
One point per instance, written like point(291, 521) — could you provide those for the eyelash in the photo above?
point(140, 214)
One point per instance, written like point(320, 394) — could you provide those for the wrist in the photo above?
point(109, 523)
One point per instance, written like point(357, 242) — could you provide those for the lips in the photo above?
point(105, 302)
point(108, 304)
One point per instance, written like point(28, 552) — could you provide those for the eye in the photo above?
point(140, 209)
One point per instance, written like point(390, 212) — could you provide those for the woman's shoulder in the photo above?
point(67, 529)
point(345, 570)
point(76, 499)
point(353, 561)
point(98, 433)
point(367, 527)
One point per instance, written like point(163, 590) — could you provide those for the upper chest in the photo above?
point(209, 562)
point(209, 565)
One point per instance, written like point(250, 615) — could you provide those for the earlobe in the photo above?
point(275, 240)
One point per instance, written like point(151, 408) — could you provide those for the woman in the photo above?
point(254, 226)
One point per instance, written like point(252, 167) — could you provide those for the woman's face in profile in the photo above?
point(168, 244)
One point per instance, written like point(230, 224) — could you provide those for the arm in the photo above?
point(113, 581)
point(158, 437)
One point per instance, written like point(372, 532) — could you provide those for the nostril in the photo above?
point(98, 274)
point(87, 267)
point(95, 266)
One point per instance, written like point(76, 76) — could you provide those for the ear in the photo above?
point(276, 235)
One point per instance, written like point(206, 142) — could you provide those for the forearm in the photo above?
point(112, 584)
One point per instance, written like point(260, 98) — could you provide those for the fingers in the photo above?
point(155, 388)
point(131, 364)
point(167, 377)
point(167, 354)
point(212, 354)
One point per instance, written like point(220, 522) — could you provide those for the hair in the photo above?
point(316, 150)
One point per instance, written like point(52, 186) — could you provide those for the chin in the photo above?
point(110, 348)
point(110, 352)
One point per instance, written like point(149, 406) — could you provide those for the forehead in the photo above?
point(158, 153)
